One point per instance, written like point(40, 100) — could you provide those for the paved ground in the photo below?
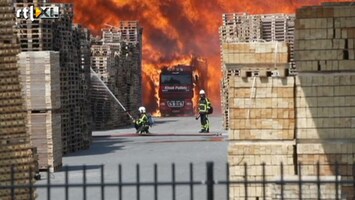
point(173, 140)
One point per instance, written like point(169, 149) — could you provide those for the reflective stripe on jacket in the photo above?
point(143, 119)
point(204, 106)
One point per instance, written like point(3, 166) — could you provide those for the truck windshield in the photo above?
point(181, 79)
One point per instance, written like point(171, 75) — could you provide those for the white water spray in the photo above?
point(109, 91)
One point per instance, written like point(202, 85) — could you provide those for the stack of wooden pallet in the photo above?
point(68, 40)
point(15, 145)
point(117, 61)
point(83, 36)
point(258, 99)
point(308, 190)
point(240, 32)
point(129, 63)
point(255, 57)
point(251, 59)
point(261, 129)
point(107, 113)
point(325, 60)
point(241, 27)
point(60, 35)
point(40, 79)
point(75, 131)
point(34, 35)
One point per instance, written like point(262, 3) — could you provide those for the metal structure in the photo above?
point(210, 183)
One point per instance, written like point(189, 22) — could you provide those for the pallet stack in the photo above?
point(16, 151)
point(106, 112)
point(39, 72)
point(132, 81)
point(83, 36)
point(69, 41)
point(308, 189)
point(301, 120)
point(242, 27)
point(258, 99)
point(261, 129)
point(117, 61)
point(325, 106)
point(240, 32)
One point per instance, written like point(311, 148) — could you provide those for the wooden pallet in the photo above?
point(123, 72)
point(45, 129)
point(40, 79)
point(15, 148)
point(263, 72)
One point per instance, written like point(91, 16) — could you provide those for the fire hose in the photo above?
point(109, 91)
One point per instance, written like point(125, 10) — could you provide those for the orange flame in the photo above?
point(151, 73)
point(174, 30)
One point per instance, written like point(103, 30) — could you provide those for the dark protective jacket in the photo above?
point(143, 120)
point(204, 105)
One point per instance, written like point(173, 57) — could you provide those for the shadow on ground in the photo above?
point(102, 145)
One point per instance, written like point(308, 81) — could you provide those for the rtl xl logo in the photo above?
point(43, 12)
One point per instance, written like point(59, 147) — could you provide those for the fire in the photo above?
point(175, 30)
point(151, 92)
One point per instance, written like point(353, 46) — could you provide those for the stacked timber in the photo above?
point(60, 35)
point(117, 62)
point(17, 161)
point(325, 106)
point(83, 36)
point(73, 47)
point(308, 190)
point(36, 35)
point(261, 130)
point(242, 27)
point(240, 33)
point(39, 72)
point(128, 76)
point(107, 113)
point(256, 58)
point(258, 100)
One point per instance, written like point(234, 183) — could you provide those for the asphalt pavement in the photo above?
point(173, 145)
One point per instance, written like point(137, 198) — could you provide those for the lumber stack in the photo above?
point(261, 130)
point(39, 72)
point(261, 59)
point(266, 40)
point(318, 126)
point(71, 95)
point(256, 58)
point(325, 59)
point(117, 61)
point(258, 99)
point(261, 108)
point(72, 43)
point(307, 190)
point(82, 37)
point(107, 113)
point(242, 27)
point(15, 147)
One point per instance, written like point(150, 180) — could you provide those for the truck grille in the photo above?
point(176, 104)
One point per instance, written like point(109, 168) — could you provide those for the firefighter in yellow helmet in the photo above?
point(203, 110)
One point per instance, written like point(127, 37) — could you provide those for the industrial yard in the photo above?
point(282, 86)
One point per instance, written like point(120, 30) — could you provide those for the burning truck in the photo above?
point(178, 89)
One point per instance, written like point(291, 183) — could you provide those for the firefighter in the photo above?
point(142, 123)
point(203, 109)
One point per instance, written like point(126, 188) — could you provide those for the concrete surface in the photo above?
point(173, 140)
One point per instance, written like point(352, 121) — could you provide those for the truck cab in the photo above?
point(176, 90)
